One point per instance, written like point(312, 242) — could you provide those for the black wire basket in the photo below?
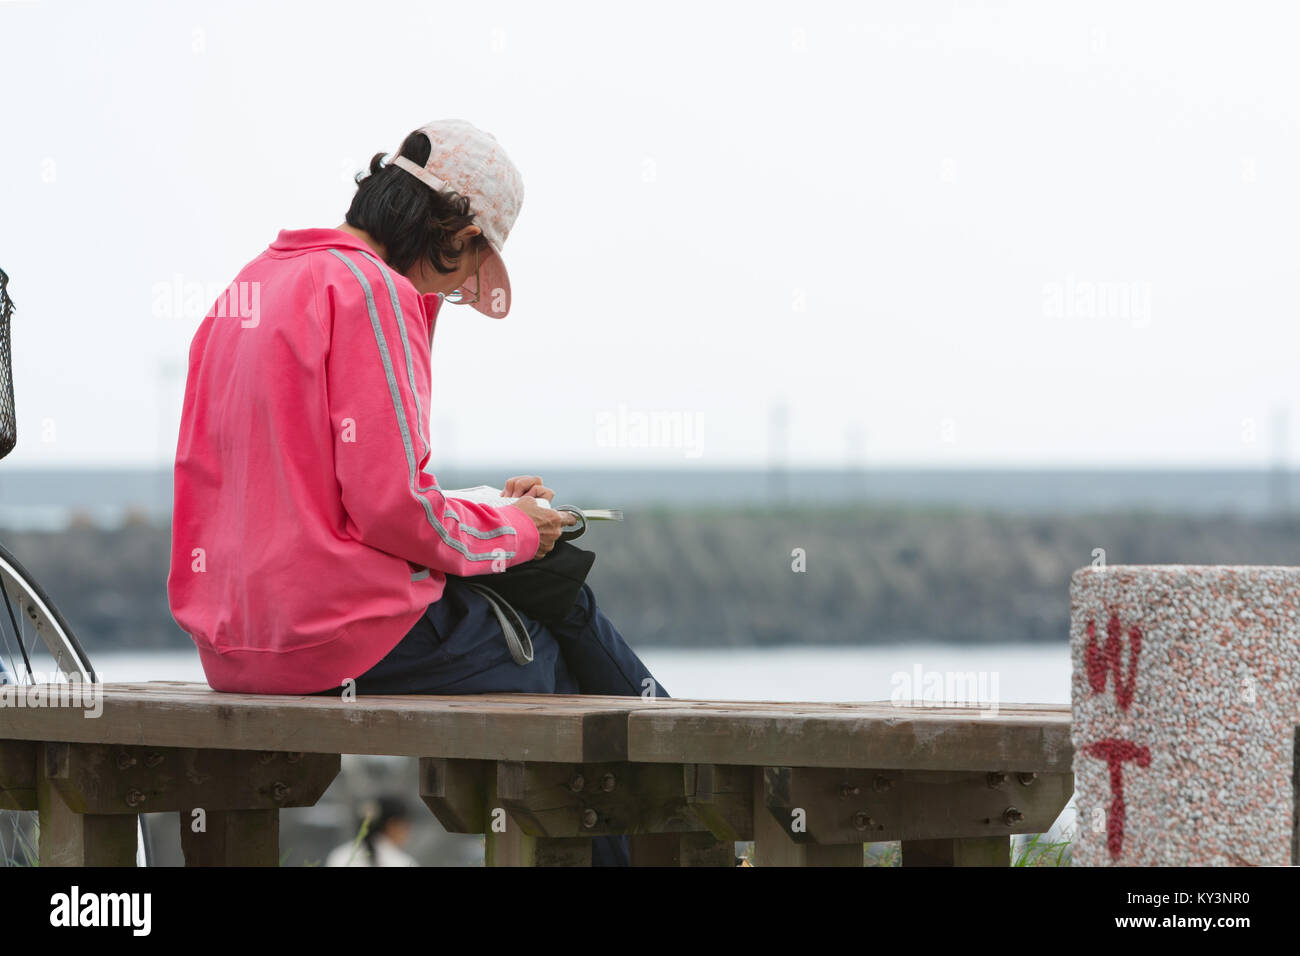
point(8, 422)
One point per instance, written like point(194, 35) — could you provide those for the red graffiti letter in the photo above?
point(1098, 661)
point(1115, 752)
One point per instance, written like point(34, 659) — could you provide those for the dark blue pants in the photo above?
point(457, 648)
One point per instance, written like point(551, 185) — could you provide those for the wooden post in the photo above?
point(971, 851)
point(721, 797)
point(516, 848)
point(681, 849)
point(774, 844)
point(69, 838)
point(506, 843)
point(18, 772)
point(232, 838)
point(456, 791)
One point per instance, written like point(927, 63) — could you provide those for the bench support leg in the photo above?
point(506, 844)
point(681, 849)
point(69, 838)
point(773, 846)
point(516, 848)
point(229, 801)
point(231, 838)
point(971, 851)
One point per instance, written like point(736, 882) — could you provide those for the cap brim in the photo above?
point(495, 286)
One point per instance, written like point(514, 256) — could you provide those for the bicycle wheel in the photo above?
point(33, 629)
point(37, 646)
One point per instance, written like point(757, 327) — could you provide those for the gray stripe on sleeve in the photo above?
point(405, 429)
point(406, 345)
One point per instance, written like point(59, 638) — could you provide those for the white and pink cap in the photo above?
point(471, 161)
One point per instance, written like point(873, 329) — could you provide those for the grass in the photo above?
point(25, 853)
point(1039, 852)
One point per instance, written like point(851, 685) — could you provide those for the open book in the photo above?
point(487, 495)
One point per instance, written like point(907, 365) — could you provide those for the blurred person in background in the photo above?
point(384, 829)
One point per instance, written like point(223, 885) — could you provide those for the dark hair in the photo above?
point(381, 813)
point(411, 220)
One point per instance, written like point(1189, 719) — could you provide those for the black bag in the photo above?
point(545, 589)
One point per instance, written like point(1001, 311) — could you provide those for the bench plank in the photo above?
point(561, 728)
point(1020, 738)
point(485, 727)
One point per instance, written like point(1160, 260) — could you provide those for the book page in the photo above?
point(486, 495)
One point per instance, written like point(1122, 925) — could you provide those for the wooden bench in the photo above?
point(541, 775)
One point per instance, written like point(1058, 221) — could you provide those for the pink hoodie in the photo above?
point(307, 538)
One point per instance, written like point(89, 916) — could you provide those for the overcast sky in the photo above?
point(1019, 235)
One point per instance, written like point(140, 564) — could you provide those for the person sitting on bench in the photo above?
point(311, 547)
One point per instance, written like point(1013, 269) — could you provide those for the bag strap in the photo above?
point(577, 530)
point(512, 626)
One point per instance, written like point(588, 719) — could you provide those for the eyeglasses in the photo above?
point(456, 296)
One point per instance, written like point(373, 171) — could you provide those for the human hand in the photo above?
point(550, 524)
point(527, 486)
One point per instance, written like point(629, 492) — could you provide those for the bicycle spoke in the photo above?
point(36, 646)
